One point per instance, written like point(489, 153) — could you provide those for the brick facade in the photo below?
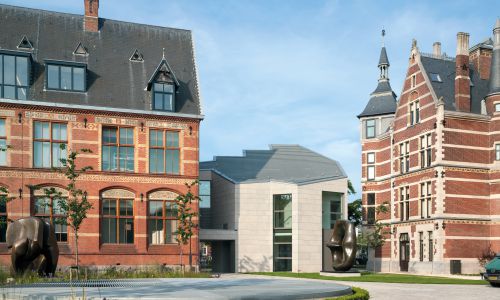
point(84, 131)
point(461, 220)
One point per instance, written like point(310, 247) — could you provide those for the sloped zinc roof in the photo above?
point(113, 79)
point(288, 163)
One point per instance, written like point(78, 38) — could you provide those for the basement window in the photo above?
point(435, 77)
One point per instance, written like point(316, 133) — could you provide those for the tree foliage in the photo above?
point(354, 212)
point(374, 235)
point(350, 188)
point(76, 206)
point(185, 213)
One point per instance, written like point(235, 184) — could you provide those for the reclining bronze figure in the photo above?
point(343, 245)
point(33, 246)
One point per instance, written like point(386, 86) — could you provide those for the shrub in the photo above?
point(359, 294)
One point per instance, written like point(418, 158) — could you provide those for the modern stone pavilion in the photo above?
point(434, 156)
point(128, 92)
point(271, 210)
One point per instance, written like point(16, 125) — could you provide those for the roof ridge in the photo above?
point(39, 10)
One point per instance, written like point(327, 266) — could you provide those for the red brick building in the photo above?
point(434, 157)
point(129, 93)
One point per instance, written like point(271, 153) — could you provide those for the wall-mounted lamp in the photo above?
point(20, 118)
point(85, 122)
point(85, 194)
point(443, 225)
point(393, 184)
point(443, 122)
point(142, 197)
point(436, 226)
point(20, 193)
point(436, 174)
point(190, 130)
point(142, 126)
point(442, 174)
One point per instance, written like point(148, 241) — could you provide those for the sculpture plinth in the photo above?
point(33, 246)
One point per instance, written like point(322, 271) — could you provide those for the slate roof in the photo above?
point(113, 80)
point(288, 163)
point(382, 99)
point(445, 67)
point(383, 60)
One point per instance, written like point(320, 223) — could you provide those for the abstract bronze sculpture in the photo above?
point(343, 245)
point(33, 246)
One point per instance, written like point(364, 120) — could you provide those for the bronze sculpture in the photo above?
point(33, 246)
point(343, 245)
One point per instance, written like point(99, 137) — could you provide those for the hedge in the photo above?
point(359, 294)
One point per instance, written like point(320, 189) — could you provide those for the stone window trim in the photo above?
point(53, 142)
point(425, 199)
point(404, 203)
point(497, 152)
point(425, 150)
point(421, 245)
point(370, 168)
point(414, 112)
point(431, 246)
point(413, 81)
point(404, 157)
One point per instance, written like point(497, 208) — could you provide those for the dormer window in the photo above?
point(163, 85)
point(163, 96)
point(66, 77)
point(14, 72)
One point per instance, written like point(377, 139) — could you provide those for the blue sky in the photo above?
point(296, 72)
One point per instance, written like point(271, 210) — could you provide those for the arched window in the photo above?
point(48, 209)
point(162, 218)
point(117, 217)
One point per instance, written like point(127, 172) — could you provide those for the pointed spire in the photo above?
point(163, 54)
point(494, 87)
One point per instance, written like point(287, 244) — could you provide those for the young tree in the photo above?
point(185, 214)
point(374, 236)
point(76, 205)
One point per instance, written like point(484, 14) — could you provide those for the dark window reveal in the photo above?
point(163, 96)
point(13, 77)
point(67, 78)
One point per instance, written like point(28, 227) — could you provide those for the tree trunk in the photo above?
point(182, 267)
point(76, 255)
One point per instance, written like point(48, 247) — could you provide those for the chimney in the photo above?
point(436, 49)
point(91, 19)
point(462, 79)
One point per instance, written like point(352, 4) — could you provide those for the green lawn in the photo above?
point(381, 277)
